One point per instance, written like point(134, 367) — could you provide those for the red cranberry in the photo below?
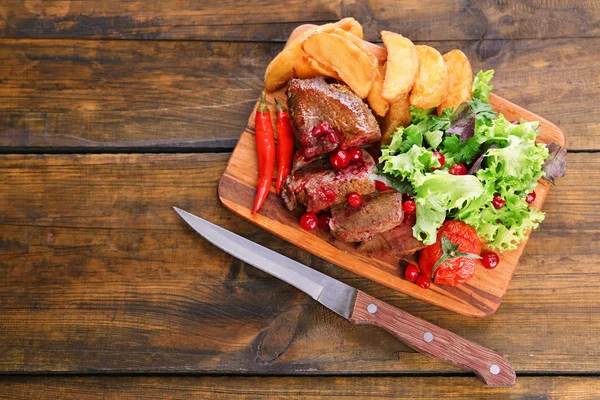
point(440, 158)
point(321, 129)
point(423, 281)
point(355, 154)
point(309, 221)
point(324, 222)
point(409, 207)
point(490, 260)
point(354, 199)
point(458, 169)
point(498, 202)
point(381, 186)
point(411, 273)
point(530, 198)
point(339, 159)
point(330, 195)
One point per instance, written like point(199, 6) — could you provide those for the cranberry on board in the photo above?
point(411, 272)
point(498, 202)
point(530, 198)
point(458, 169)
point(440, 158)
point(381, 186)
point(354, 199)
point(423, 281)
point(339, 159)
point(355, 154)
point(409, 206)
point(490, 260)
point(309, 221)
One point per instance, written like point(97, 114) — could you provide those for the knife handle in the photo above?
point(433, 341)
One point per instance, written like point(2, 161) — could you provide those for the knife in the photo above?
point(360, 308)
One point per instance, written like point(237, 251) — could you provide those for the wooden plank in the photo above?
point(481, 297)
point(111, 95)
point(98, 274)
point(208, 388)
point(267, 21)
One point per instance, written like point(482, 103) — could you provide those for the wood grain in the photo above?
point(288, 388)
point(98, 274)
point(133, 95)
point(267, 21)
point(480, 297)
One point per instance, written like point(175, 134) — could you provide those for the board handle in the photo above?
point(433, 341)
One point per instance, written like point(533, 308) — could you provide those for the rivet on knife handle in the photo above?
point(434, 341)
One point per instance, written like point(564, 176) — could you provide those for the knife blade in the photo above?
point(360, 308)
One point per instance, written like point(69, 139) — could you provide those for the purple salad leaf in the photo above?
point(463, 122)
point(556, 163)
point(477, 164)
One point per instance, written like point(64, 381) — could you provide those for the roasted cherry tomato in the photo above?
point(454, 252)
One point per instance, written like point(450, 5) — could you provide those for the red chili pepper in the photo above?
point(285, 145)
point(265, 149)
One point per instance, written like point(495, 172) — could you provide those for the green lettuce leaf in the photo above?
point(481, 85)
point(436, 194)
point(434, 138)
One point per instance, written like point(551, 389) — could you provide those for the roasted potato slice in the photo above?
point(402, 65)
point(379, 52)
point(460, 80)
point(299, 30)
point(351, 25)
point(281, 68)
point(307, 67)
point(431, 82)
point(375, 99)
point(354, 66)
point(397, 116)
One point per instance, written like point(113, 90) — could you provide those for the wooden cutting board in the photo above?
point(479, 297)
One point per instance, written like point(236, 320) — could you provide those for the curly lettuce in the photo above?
point(509, 163)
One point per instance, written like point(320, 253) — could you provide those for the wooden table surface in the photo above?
point(113, 111)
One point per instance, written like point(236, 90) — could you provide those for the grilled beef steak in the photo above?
point(325, 116)
point(379, 212)
point(319, 186)
point(398, 242)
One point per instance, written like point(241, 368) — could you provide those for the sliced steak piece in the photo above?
point(379, 212)
point(398, 241)
point(325, 116)
point(319, 186)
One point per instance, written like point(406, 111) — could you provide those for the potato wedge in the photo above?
point(431, 82)
point(307, 67)
point(299, 30)
point(353, 65)
point(379, 52)
point(281, 68)
point(397, 116)
point(351, 25)
point(460, 80)
point(375, 99)
point(402, 65)
point(361, 44)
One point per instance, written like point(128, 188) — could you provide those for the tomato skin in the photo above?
point(456, 270)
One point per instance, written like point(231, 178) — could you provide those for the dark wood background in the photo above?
point(113, 111)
